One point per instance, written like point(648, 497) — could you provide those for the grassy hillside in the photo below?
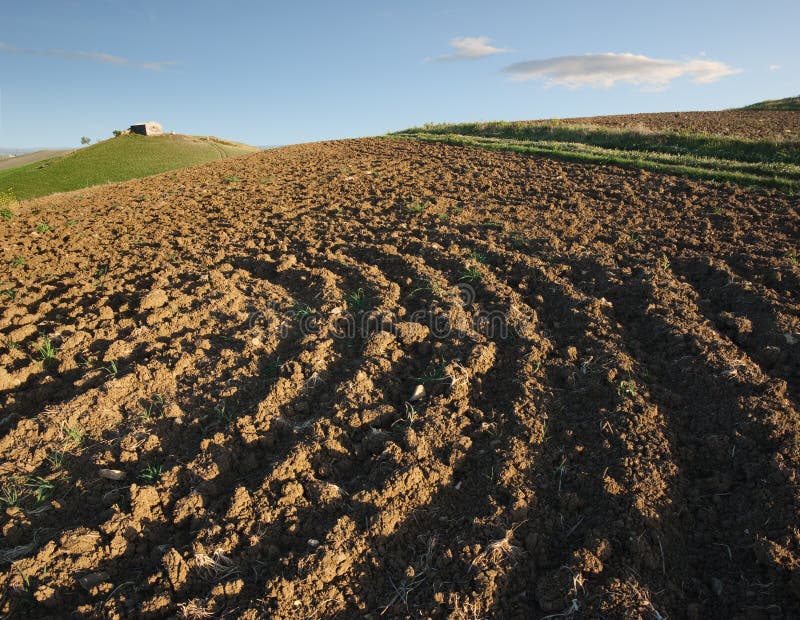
point(118, 159)
point(789, 103)
point(705, 156)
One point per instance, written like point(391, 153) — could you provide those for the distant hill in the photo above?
point(15, 161)
point(117, 159)
point(789, 103)
point(5, 151)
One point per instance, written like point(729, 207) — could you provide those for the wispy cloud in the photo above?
point(90, 56)
point(469, 48)
point(774, 67)
point(605, 70)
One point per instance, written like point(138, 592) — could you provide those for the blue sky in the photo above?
point(280, 73)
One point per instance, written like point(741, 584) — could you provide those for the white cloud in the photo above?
point(774, 67)
point(468, 48)
point(605, 70)
point(92, 56)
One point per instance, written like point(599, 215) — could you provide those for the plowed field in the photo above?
point(380, 378)
point(778, 125)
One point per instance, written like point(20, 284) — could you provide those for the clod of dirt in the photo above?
point(154, 299)
point(93, 579)
point(292, 492)
point(411, 333)
point(324, 493)
point(79, 541)
point(145, 503)
point(286, 262)
point(482, 358)
point(177, 569)
point(378, 343)
point(587, 562)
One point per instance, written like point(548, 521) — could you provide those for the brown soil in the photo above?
point(753, 124)
point(629, 448)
